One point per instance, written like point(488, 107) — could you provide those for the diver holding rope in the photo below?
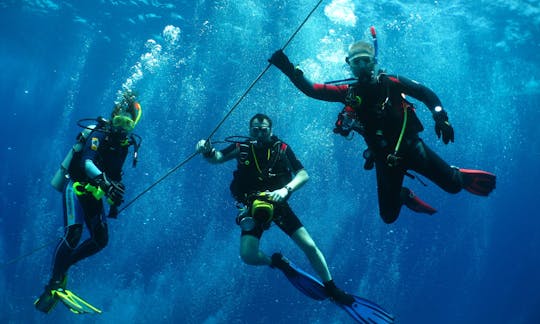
point(376, 108)
point(267, 174)
point(90, 173)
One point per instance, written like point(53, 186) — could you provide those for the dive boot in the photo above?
point(338, 295)
point(46, 302)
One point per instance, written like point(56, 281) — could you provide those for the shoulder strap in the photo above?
point(278, 150)
point(243, 148)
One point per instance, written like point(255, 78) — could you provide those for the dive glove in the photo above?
point(113, 212)
point(281, 61)
point(205, 147)
point(114, 190)
point(443, 127)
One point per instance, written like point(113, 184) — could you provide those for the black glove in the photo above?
point(281, 61)
point(114, 190)
point(443, 127)
point(113, 212)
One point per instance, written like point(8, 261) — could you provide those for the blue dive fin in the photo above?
point(362, 310)
point(307, 284)
point(365, 311)
point(75, 303)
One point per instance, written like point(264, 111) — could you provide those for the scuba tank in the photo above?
point(61, 177)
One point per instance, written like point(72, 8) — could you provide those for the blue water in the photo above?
point(173, 254)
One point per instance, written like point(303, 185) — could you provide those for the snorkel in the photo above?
point(375, 43)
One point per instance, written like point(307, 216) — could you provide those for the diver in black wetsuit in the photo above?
point(94, 172)
point(375, 107)
point(267, 173)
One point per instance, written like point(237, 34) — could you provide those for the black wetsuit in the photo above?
point(379, 110)
point(265, 167)
point(108, 155)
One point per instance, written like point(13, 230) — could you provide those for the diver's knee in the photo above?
point(101, 236)
point(453, 189)
point(102, 241)
point(388, 217)
point(390, 212)
point(249, 257)
point(73, 235)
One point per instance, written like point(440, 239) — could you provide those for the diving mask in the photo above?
point(124, 122)
point(361, 60)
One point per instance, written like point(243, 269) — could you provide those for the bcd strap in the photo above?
point(276, 155)
point(244, 152)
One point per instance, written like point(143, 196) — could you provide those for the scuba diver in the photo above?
point(91, 171)
point(376, 108)
point(267, 173)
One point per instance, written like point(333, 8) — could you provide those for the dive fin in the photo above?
point(365, 311)
point(361, 310)
point(75, 303)
point(478, 182)
point(304, 282)
point(411, 201)
point(47, 301)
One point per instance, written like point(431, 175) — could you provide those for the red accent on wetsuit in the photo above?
point(322, 86)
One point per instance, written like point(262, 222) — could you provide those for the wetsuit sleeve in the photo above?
point(295, 164)
point(318, 91)
point(228, 153)
point(417, 91)
point(228, 150)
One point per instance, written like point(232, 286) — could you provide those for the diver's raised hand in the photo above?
point(443, 127)
point(205, 147)
point(281, 61)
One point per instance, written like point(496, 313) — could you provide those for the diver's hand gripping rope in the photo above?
point(261, 74)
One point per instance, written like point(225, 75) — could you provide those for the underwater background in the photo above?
point(173, 254)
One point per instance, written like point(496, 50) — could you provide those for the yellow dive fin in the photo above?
point(75, 303)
